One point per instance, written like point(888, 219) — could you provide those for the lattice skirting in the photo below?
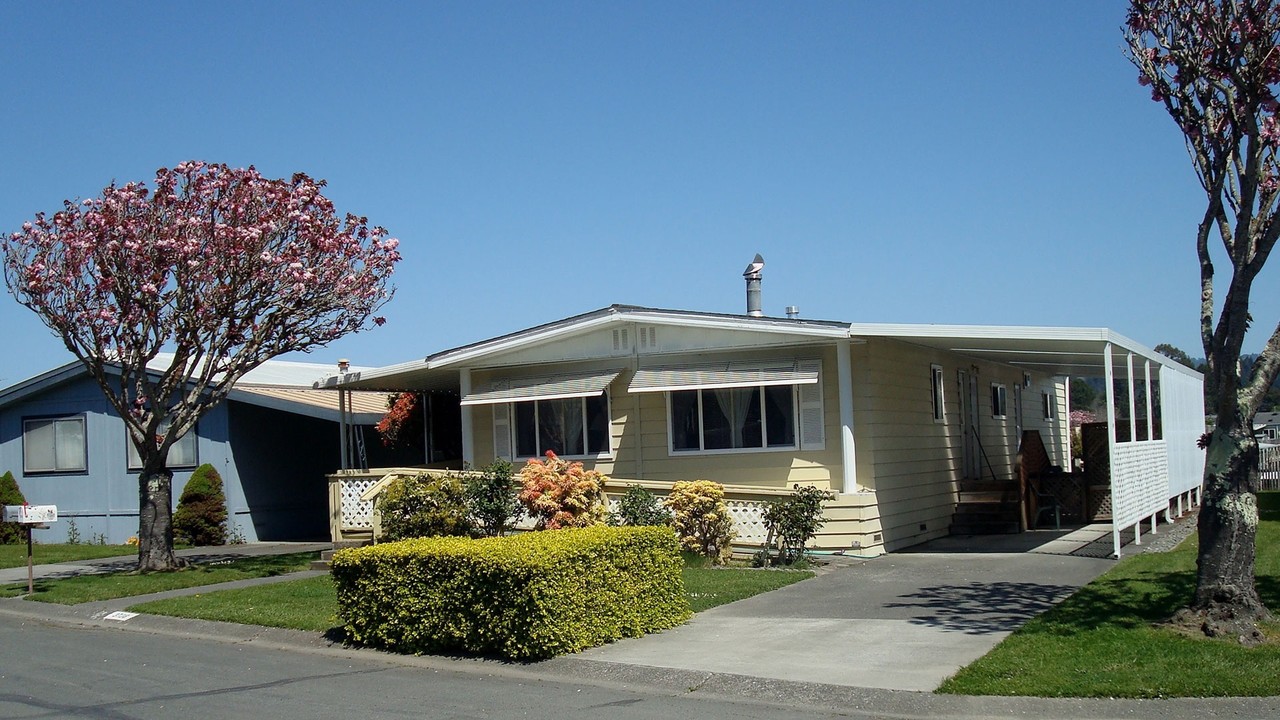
point(357, 513)
point(1099, 503)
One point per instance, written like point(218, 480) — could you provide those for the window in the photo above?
point(735, 418)
point(935, 375)
point(999, 401)
point(1050, 406)
point(568, 426)
point(54, 445)
point(181, 454)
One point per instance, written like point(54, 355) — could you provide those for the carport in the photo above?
point(1155, 406)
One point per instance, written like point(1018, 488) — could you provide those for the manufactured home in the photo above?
point(903, 423)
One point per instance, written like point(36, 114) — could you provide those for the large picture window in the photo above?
point(737, 418)
point(54, 445)
point(569, 426)
point(181, 454)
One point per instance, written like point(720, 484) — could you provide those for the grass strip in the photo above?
point(12, 556)
point(92, 588)
point(311, 604)
point(1105, 640)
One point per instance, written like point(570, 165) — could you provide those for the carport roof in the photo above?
point(1050, 350)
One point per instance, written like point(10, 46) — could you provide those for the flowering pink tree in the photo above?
point(221, 267)
point(1215, 67)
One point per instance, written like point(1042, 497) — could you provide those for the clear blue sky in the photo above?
point(975, 162)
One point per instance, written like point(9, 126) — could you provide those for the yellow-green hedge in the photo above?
point(526, 596)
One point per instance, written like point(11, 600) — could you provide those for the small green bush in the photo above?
point(424, 505)
point(492, 499)
point(533, 595)
point(11, 533)
point(701, 518)
point(639, 507)
point(792, 523)
point(202, 510)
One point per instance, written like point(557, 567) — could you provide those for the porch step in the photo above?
point(987, 507)
point(327, 555)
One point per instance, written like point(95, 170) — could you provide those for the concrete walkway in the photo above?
point(125, 563)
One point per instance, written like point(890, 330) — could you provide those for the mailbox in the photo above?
point(31, 514)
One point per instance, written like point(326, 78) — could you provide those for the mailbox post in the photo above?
point(31, 517)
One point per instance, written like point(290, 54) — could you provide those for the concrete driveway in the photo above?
point(903, 621)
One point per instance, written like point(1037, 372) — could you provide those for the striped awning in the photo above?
point(553, 387)
point(724, 375)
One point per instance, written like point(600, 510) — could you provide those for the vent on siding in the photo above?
point(620, 339)
point(648, 338)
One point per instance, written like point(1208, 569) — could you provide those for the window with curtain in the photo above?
point(740, 418)
point(569, 426)
point(54, 445)
point(181, 454)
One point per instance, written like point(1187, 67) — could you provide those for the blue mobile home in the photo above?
point(273, 440)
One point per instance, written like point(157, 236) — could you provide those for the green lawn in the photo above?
point(91, 588)
point(1103, 641)
point(311, 604)
point(12, 556)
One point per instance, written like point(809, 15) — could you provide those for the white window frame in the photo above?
point(999, 401)
point(936, 394)
point(133, 462)
point(764, 427)
point(1049, 403)
point(509, 408)
point(57, 421)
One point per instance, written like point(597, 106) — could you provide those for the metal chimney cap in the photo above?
point(793, 311)
point(754, 268)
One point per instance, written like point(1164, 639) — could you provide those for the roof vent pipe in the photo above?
point(793, 311)
point(752, 275)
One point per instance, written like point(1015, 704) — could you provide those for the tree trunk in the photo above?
point(155, 520)
point(1226, 602)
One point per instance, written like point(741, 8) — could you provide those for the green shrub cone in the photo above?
point(11, 533)
point(202, 510)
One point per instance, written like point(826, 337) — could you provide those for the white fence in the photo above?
point(1269, 468)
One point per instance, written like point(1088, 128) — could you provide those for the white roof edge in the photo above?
point(519, 339)
point(1018, 332)
point(333, 381)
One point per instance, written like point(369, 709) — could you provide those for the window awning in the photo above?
point(554, 387)
point(724, 375)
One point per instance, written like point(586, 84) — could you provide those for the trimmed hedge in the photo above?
point(528, 596)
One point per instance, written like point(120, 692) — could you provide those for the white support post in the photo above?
point(468, 430)
point(848, 456)
point(344, 459)
point(1133, 403)
point(1110, 377)
point(1137, 532)
point(1154, 518)
point(1151, 425)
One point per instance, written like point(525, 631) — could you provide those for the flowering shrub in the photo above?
point(402, 425)
point(1081, 417)
point(701, 519)
point(562, 494)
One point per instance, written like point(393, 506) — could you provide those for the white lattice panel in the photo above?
point(1139, 481)
point(748, 520)
point(356, 513)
